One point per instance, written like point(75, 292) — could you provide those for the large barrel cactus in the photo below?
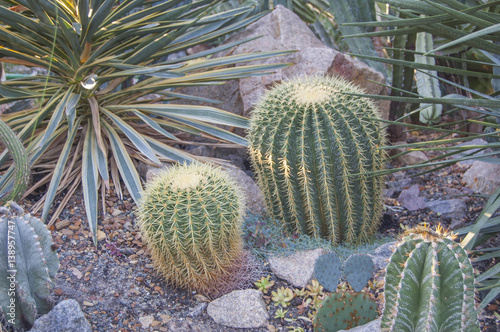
point(28, 265)
point(311, 147)
point(429, 285)
point(191, 218)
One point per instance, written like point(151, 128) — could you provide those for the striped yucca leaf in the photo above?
point(109, 99)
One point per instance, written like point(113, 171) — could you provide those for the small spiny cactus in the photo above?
point(429, 285)
point(311, 146)
point(191, 219)
point(28, 265)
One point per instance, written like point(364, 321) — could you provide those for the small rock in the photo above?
point(373, 326)
point(88, 304)
point(198, 310)
point(410, 199)
point(58, 291)
point(67, 232)
point(453, 208)
point(76, 272)
point(165, 318)
point(240, 309)
point(477, 141)
point(100, 235)
point(65, 316)
point(412, 158)
point(74, 227)
point(482, 177)
point(297, 268)
point(116, 212)
point(146, 321)
point(62, 224)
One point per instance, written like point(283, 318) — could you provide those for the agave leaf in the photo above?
point(58, 170)
point(427, 86)
point(90, 179)
point(168, 152)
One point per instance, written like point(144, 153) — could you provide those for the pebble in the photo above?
point(146, 321)
point(62, 224)
point(116, 212)
point(100, 235)
point(67, 232)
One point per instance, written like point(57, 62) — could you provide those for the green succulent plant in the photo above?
point(282, 296)
point(310, 144)
point(190, 217)
point(28, 265)
point(263, 284)
point(107, 92)
point(21, 165)
point(429, 285)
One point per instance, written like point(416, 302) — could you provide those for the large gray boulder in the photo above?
point(66, 316)
point(482, 177)
point(298, 268)
point(283, 30)
point(241, 309)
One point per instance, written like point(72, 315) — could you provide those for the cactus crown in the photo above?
point(191, 218)
point(312, 146)
point(429, 285)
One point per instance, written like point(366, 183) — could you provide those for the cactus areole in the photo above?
point(429, 285)
point(311, 146)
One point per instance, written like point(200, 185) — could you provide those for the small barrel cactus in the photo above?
point(28, 265)
point(312, 147)
point(343, 311)
point(191, 218)
point(429, 285)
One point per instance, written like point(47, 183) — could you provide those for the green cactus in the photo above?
point(358, 269)
point(21, 166)
point(28, 265)
point(191, 218)
point(327, 270)
point(429, 285)
point(311, 147)
point(344, 310)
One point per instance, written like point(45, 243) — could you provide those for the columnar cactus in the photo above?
point(28, 265)
point(311, 146)
point(429, 285)
point(191, 219)
point(21, 165)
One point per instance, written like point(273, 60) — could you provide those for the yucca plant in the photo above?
point(465, 46)
point(107, 96)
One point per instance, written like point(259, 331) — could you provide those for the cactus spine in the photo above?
point(429, 285)
point(21, 164)
point(191, 219)
point(311, 147)
point(28, 265)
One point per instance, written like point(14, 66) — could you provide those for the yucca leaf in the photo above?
point(468, 37)
point(98, 16)
point(71, 109)
point(90, 180)
point(133, 136)
point(168, 152)
point(58, 115)
point(58, 170)
point(15, 92)
point(150, 122)
point(124, 163)
point(212, 130)
point(201, 113)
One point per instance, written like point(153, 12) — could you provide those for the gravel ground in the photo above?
point(118, 290)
